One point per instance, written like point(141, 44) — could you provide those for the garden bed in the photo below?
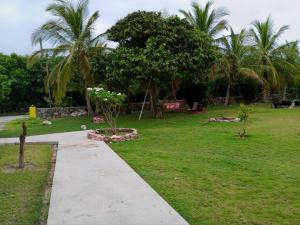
point(110, 135)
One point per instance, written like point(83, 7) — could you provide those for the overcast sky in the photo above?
point(18, 18)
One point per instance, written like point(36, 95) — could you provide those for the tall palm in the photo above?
point(266, 45)
point(211, 21)
point(287, 63)
point(71, 33)
point(232, 63)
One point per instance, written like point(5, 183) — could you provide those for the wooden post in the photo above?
point(22, 145)
point(142, 110)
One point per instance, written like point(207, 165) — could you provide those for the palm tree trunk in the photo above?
point(284, 94)
point(88, 102)
point(227, 99)
point(266, 97)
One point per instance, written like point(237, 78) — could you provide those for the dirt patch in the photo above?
point(224, 119)
point(14, 168)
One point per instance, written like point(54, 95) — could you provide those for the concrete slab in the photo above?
point(94, 186)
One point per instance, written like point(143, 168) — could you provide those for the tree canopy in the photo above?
point(171, 50)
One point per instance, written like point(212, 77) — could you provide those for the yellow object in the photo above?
point(32, 112)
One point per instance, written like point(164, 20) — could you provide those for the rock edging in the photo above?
point(130, 134)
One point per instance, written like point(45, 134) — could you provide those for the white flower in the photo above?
point(89, 89)
point(97, 89)
point(119, 94)
point(101, 89)
point(105, 99)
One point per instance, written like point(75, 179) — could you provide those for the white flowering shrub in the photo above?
point(109, 102)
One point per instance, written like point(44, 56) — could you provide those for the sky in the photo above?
point(18, 18)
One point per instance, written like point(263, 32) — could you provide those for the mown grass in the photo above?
point(205, 172)
point(21, 191)
point(213, 177)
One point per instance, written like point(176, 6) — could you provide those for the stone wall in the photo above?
point(57, 112)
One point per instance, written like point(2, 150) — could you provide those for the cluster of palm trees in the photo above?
point(255, 53)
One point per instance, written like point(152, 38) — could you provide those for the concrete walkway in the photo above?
point(94, 186)
point(6, 119)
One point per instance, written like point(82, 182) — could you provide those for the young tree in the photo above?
point(72, 35)
point(234, 49)
point(22, 146)
point(110, 104)
point(266, 46)
point(244, 117)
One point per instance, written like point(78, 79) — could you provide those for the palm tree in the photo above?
point(71, 33)
point(234, 50)
point(266, 45)
point(208, 20)
point(287, 62)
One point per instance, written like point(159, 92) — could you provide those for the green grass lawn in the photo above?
point(21, 191)
point(204, 171)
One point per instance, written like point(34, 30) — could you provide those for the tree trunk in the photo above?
point(22, 145)
point(284, 94)
point(88, 103)
point(173, 90)
point(266, 95)
point(87, 79)
point(227, 99)
point(128, 108)
point(154, 101)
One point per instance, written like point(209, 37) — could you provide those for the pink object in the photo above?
point(98, 119)
point(172, 105)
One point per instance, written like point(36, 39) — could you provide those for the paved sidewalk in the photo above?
point(94, 186)
point(6, 119)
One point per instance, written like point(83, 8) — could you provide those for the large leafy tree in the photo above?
point(157, 53)
point(5, 84)
point(208, 20)
point(232, 64)
point(266, 45)
point(71, 33)
point(20, 86)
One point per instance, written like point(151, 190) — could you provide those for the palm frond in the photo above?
point(206, 19)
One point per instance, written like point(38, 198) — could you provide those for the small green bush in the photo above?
point(244, 116)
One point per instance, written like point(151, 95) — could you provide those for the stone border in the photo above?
point(48, 188)
point(131, 134)
point(224, 120)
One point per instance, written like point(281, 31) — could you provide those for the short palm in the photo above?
point(265, 46)
point(71, 35)
point(232, 63)
point(287, 62)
